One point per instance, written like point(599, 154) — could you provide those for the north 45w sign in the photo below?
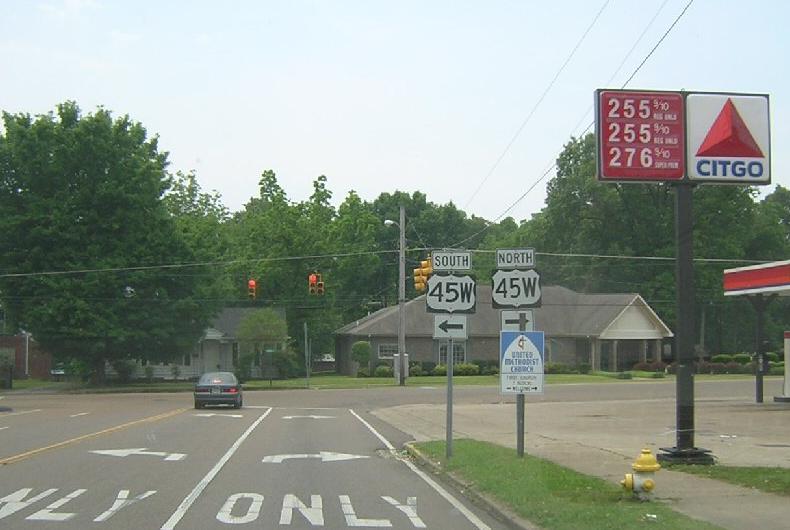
point(516, 289)
point(451, 294)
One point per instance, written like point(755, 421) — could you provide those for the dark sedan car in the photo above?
point(218, 388)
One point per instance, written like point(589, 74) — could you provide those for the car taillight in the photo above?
point(233, 390)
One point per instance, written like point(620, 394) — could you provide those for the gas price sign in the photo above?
point(640, 135)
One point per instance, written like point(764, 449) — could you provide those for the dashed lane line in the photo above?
point(79, 414)
point(22, 456)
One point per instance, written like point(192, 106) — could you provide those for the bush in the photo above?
point(466, 369)
point(776, 369)
point(7, 359)
point(715, 368)
point(439, 369)
point(384, 371)
point(558, 368)
point(363, 372)
point(415, 370)
point(658, 366)
point(427, 367)
point(771, 356)
point(625, 375)
point(585, 368)
point(124, 369)
point(658, 375)
point(490, 370)
point(722, 358)
point(361, 351)
point(742, 358)
point(641, 367)
point(736, 368)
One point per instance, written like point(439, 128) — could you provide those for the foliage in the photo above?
point(558, 368)
point(383, 371)
point(85, 193)
point(149, 373)
point(6, 359)
point(722, 358)
point(361, 352)
point(261, 328)
point(243, 366)
point(124, 369)
point(742, 358)
point(439, 369)
point(364, 371)
point(585, 368)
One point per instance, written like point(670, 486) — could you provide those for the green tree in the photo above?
point(80, 194)
point(264, 331)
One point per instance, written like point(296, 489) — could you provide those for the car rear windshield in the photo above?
point(217, 378)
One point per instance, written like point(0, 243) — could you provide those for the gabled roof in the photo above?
point(564, 313)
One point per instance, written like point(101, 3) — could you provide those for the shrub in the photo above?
point(771, 356)
point(641, 367)
point(715, 368)
point(736, 368)
point(658, 366)
point(557, 368)
point(742, 358)
point(439, 369)
point(427, 367)
point(466, 369)
point(124, 369)
point(585, 368)
point(363, 372)
point(415, 370)
point(658, 375)
point(7, 359)
point(625, 375)
point(490, 370)
point(384, 371)
point(776, 369)
point(361, 351)
point(723, 358)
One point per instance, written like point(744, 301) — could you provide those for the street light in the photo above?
point(401, 294)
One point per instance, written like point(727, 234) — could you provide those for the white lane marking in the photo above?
point(14, 502)
point(123, 453)
point(49, 513)
point(195, 493)
point(210, 414)
point(324, 456)
point(314, 513)
point(79, 414)
point(353, 520)
point(1, 428)
point(432, 483)
point(311, 417)
point(224, 515)
point(120, 502)
point(410, 509)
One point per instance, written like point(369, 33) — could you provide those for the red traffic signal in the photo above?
point(252, 289)
point(312, 283)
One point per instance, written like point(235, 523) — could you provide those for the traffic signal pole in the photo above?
point(402, 297)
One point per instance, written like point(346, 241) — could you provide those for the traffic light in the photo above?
point(312, 283)
point(421, 275)
point(252, 289)
point(319, 286)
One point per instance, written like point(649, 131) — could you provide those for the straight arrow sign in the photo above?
point(123, 453)
point(324, 456)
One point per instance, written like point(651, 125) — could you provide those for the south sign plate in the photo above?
point(451, 260)
point(521, 362)
point(451, 294)
point(640, 135)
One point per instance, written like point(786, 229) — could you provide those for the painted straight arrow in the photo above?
point(444, 326)
point(123, 453)
point(324, 456)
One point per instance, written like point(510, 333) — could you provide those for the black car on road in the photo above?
point(218, 388)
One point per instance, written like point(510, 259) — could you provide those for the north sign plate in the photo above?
point(515, 258)
point(451, 294)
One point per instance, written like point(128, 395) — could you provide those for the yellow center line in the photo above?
point(28, 454)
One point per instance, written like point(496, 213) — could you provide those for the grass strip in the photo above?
point(767, 479)
point(549, 495)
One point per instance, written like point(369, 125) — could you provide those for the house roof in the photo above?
point(563, 313)
point(227, 322)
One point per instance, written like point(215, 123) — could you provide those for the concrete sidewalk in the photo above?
point(603, 438)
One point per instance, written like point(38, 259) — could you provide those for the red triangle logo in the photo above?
point(729, 136)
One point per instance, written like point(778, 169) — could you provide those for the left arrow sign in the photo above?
point(140, 451)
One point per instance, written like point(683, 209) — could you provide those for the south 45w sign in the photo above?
point(451, 294)
point(516, 288)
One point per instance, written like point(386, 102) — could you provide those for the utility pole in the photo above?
point(402, 297)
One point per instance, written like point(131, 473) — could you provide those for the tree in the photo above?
point(84, 229)
point(361, 352)
point(264, 331)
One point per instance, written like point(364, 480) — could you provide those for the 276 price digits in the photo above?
point(617, 156)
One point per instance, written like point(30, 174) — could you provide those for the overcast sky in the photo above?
point(409, 95)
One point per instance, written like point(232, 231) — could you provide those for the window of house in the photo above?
point(386, 351)
point(459, 353)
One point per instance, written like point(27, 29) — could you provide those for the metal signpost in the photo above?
point(453, 294)
point(685, 138)
point(516, 285)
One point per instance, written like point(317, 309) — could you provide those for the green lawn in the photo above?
point(551, 496)
point(768, 479)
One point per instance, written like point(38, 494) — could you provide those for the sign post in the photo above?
point(454, 294)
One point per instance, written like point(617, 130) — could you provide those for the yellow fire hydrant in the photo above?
point(642, 481)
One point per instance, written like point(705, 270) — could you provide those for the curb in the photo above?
point(495, 508)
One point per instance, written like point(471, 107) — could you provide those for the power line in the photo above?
point(554, 164)
point(537, 104)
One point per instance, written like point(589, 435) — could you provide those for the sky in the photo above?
point(464, 101)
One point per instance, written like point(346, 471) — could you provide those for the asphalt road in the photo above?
point(287, 459)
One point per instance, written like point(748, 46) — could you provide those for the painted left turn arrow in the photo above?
point(324, 456)
point(140, 451)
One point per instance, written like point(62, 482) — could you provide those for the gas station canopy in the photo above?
point(771, 277)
